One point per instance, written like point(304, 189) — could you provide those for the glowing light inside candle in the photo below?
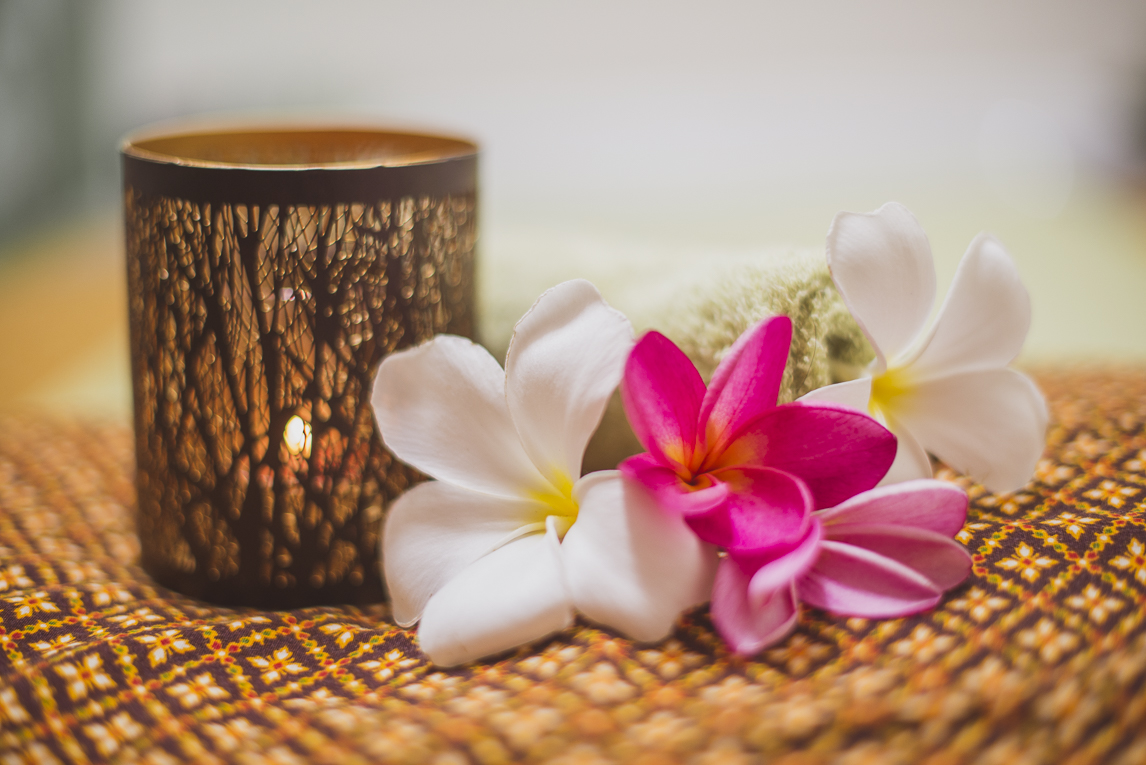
point(296, 436)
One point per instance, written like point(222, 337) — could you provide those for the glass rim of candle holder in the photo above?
point(314, 249)
point(265, 161)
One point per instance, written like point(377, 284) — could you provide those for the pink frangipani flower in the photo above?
point(744, 473)
point(883, 553)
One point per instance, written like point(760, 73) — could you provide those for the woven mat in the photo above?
point(1039, 657)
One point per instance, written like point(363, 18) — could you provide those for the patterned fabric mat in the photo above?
point(1039, 657)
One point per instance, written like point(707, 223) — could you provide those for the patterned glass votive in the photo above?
point(269, 272)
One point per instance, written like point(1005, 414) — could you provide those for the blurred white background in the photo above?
point(627, 129)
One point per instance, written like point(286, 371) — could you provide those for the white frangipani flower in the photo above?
point(509, 540)
point(946, 391)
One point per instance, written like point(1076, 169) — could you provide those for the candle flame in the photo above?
point(296, 436)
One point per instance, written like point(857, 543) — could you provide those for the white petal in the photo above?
point(854, 393)
point(911, 460)
point(990, 424)
point(881, 264)
point(441, 408)
point(435, 530)
point(566, 358)
point(512, 596)
point(628, 563)
point(984, 319)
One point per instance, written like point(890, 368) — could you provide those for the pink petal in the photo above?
point(852, 581)
point(747, 624)
point(941, 559)
point(837, 451)
point(923, 504)
point(662, 392)
point(747, 381)
point(783, 569)
point(670, 491)
point(767, 511)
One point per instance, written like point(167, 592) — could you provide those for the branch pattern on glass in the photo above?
point(256, 332)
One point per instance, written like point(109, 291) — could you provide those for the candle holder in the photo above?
point(269, 272)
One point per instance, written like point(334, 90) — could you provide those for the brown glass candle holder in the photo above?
point(269, 272)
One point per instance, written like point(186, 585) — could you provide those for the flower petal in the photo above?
point(837, 451)
point(566, 357)
point(984, 319)
point(941, 559)
point(855, 394)
point(628, 563)
point(911, 460)
point(668, 488)
point(511, 596)
point(990, 424)
point(441, 407)
point(435, 530)
point(746, 382)
point(782, 570)
point(747, 624)
point(881, 264)
point(766, 511)
point(923, 504)
point(662, 392)
point(852, 581)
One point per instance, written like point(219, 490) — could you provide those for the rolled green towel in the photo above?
point(827, 344)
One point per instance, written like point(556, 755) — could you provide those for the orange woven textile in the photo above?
point(1039, 657)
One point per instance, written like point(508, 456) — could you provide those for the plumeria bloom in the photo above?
point(510, 539)
point(743, 472)
point(884, 553)
point(945, 390)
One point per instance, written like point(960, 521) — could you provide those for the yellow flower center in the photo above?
point(888, 387)
point(558, 503)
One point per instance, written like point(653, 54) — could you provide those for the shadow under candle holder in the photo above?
point(269, 272)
